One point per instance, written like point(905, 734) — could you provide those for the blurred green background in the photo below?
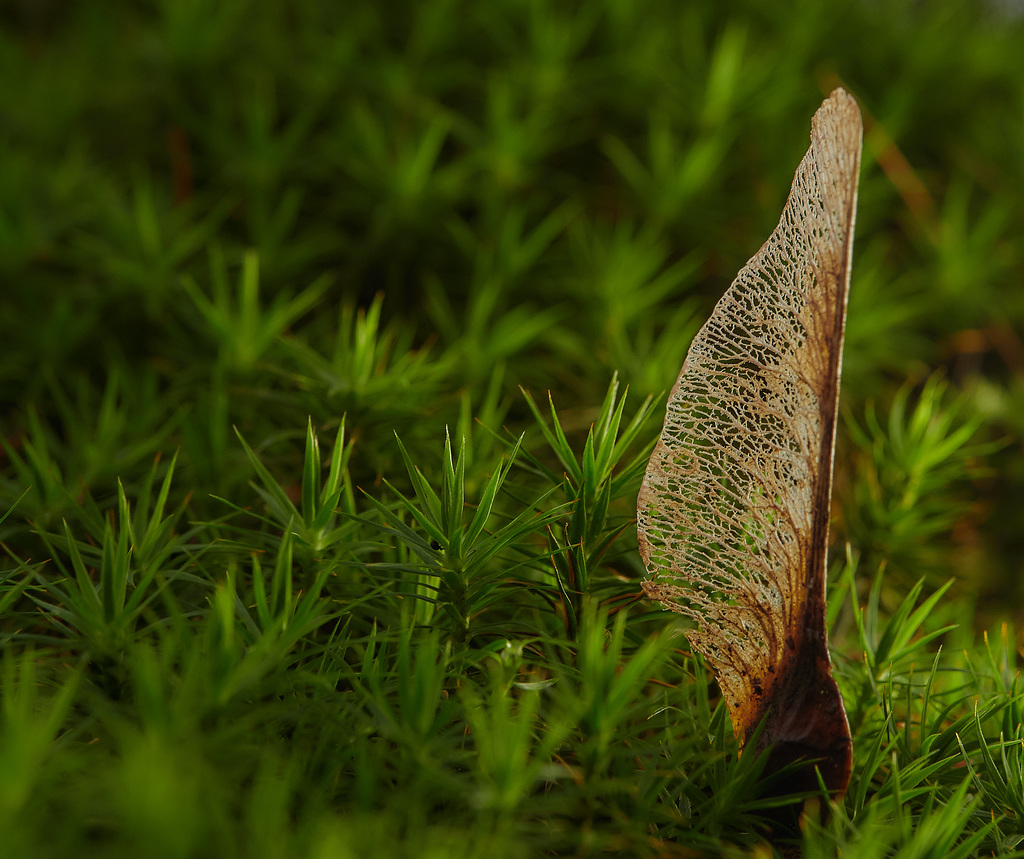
point(536, 194)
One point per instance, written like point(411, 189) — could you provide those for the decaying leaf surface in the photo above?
point(734, 510)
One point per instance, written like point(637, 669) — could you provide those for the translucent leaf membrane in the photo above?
point(733, 513)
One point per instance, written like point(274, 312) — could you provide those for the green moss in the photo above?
point(323, 225)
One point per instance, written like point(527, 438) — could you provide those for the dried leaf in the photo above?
point(734, 510)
